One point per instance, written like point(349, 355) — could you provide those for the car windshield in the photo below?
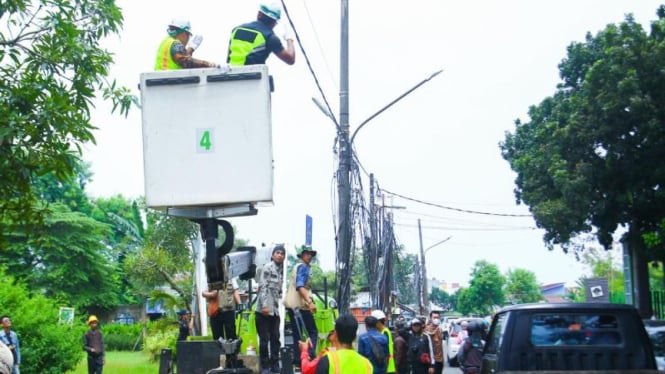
point(550, 329)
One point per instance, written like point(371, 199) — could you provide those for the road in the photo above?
point(451, 370)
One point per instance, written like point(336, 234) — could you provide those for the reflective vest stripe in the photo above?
point(164, 61)
point(349, 360)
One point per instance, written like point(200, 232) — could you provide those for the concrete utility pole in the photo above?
point(373, 250)
point(345, 223)
point(423, 275)
point(425, 291)
point(344, 230)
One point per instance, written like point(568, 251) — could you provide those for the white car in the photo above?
point(656, 331)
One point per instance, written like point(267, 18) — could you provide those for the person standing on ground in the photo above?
point(185, 325)
point(251, 43)
point(269, 294)
point(302, 274)
point(175, 51)
point(421, 354)
point(382, 328)
point(401, 349)
point(10, 338)
point(93, 343)
point(342, 358)
point(374, 346)
point(436, 335)
point(223, 324)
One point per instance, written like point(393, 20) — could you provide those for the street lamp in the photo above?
point(423, 270)
point(345, 156)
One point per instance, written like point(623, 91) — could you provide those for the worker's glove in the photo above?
point(287, 33)
point(195, 41)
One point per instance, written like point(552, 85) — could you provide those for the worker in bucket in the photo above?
point(175, 51)
point(252, 43)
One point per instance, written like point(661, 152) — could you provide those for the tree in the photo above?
point(65, 258)
point(443, 299)
point(403, 265)
point(164, 257)
point(51, 66)
point(485, 290)
point(522, 287)
point(592, 156)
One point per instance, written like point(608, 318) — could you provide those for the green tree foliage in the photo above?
point(126, 233)
point(46, 346)
point(164, 257)
point(592, 156)
point(443, 299)
point(485, 290)
point(65, 258)
point(403, 275)
point(522, 287)
point(51, 66)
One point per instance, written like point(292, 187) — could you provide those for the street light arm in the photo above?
point(393, 103)
point(435, 244)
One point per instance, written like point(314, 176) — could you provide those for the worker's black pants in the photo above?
point(95, 364)
point(310, 329)
point(268, 329)
point(223, 325)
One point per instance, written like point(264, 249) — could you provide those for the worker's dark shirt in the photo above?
point(93, 339)
point(183, 329)
point(273, 44)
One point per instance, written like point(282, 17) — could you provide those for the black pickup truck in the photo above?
point(567, 337)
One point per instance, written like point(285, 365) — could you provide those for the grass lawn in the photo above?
point(122, 363)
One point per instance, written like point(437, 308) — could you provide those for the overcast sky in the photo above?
point(438, 145)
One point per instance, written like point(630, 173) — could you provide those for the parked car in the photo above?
point(574, 337)
point(656, 331)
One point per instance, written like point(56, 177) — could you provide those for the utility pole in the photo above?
point(344, 230)
point(373, 259)
point(423, 273)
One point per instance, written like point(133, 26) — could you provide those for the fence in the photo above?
point(657, 302)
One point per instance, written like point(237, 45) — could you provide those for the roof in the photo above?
point(570, 306)
point(552, 285)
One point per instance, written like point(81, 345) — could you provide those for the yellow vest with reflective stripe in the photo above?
point(240, 49)
point(164, 61)
point(347, 361)
point(391, 350)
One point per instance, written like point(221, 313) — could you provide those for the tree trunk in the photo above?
point(641, 278)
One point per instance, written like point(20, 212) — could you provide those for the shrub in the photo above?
point(119, 337)
point(159, 340)
point(46, 346)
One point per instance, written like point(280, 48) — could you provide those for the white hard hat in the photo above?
point(378, 314)
point(271, 10)
point(181, 24)
point(6, 360)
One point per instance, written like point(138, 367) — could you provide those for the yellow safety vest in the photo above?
point(348, 361)
point(239, 49)
point(391, 350)
point(164, 61)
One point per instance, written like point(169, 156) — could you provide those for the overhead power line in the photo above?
point(454, 209)
point(311, 69)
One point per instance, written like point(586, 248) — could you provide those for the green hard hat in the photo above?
point(305, 248)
